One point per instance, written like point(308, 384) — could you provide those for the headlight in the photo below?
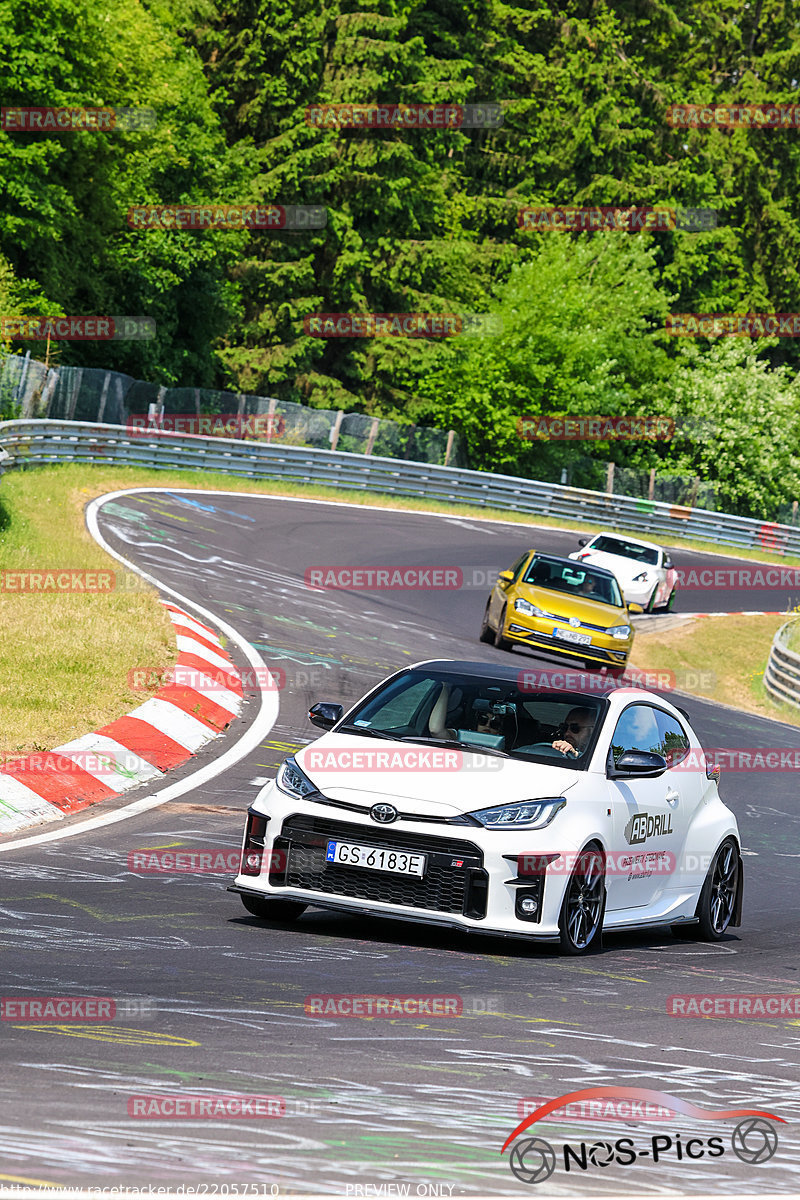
point(620, 631)
point(291, 780)
point(530, 610)
point(533, 814)
point(642, 578)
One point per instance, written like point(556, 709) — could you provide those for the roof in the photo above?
point(570, 562)
point(510, 673)
point(624, 537)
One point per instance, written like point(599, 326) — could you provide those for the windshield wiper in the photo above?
point(366, 731)
point(455, 745)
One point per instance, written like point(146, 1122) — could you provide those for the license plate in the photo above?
point(570, 635)
point(399, 862)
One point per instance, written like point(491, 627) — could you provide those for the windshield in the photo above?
point(490, 715)
point(611, 545)
point(575, 579)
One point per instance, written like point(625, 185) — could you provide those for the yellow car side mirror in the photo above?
point(505, 577)
point(635, 608)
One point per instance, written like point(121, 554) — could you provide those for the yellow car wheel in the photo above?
point(502, 643)
point(486, 634)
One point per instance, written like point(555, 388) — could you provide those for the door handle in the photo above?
point(672, 798)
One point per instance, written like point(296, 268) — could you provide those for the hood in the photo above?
point(625, 569)
point(446, 783)
point(562, 605)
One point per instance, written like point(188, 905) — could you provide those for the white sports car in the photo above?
point(644, 571)
point(462, 794)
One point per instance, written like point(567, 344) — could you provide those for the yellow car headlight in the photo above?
point(530, 610)
point(620, 631)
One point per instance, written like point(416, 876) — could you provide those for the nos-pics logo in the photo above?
point(754, 1139)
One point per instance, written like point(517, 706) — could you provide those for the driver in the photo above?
point(488, 722)
point(577, 728)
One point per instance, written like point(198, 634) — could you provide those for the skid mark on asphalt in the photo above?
point(116, 1034)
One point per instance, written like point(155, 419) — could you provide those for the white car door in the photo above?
point(649, 820)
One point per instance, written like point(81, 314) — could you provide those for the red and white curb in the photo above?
point(205, 695)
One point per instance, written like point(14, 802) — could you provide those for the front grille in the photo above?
point(583, 624)
point(443, 887)
point(547, 641)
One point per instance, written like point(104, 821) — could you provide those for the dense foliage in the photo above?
point(426, 220)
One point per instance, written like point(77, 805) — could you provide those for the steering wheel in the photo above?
point(544, 748)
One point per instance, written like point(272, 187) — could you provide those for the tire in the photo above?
point(719, 895)
point(502, 643)
point(486, 634)
point(648, 608)
point(272, 910)
point(583, 908)
point(668, 607)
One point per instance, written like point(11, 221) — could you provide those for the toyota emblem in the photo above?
point(384, 813)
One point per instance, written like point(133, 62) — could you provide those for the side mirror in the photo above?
point(582, 541)
point(505, 577)
point(325, 716)
point(635, 608)
point(641, 763)
point(668, 564)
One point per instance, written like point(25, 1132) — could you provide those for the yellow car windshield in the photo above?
point(574, 579)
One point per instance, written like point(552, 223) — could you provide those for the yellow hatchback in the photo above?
point(561, 606)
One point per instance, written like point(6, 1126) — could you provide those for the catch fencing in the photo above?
point(110, 397)
point(31, 443)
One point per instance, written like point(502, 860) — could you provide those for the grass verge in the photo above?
point(722, 658)
point(65, 659)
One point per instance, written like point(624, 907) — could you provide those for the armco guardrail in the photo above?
point(33, 443)
point(782, 674)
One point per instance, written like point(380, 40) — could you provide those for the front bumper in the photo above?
point(531, 631)
point(470, 881)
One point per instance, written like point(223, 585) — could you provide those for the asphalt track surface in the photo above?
point(406, 1106)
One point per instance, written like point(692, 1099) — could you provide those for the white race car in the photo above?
point(644, 571)
point(464, 794)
